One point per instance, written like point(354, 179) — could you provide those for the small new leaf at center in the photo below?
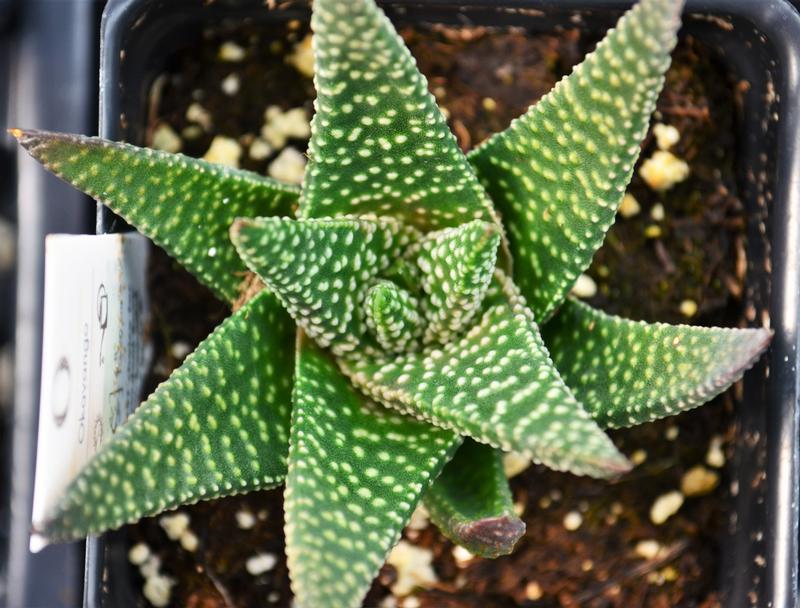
point(455, 268)
point(393, 317)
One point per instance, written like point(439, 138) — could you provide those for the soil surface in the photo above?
point(685, 245)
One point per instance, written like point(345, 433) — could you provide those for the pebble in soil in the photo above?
point(694, 252)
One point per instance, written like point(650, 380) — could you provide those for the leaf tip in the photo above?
point(752, 347)
point(615, 467)
point(610, 465)
point(763, 338)
point(606, 463)
point(28, 138)
point(39, 143)
point(492, 536)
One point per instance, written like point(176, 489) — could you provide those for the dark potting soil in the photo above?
point(684, 250)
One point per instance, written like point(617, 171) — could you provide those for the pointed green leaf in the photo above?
point(497, 385)
point(183, 204)
point(558, 173)
point(456, 267)
point(379, 143)
point(356, 473)
point(393, 317)
point(321, 269)
point(471, 503)
point(629, 372)
point(218, 426)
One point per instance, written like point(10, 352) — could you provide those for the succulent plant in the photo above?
point(401, 318)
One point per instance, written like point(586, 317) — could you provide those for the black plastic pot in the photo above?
point(7, 177)
point(48, 82)
point(7, 256)
point(758, 42)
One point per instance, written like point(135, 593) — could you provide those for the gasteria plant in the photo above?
point(427, 334)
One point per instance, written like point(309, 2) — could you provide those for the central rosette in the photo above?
point(424, 323)
point(372, 284)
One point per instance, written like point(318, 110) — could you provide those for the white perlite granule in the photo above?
point(230, 84)
point(165, 138)
point(584, 287)
point(189, 541)
point(666, 136)
point(629, 207)
point(261, 563)
point(665, 506)
point(302, 57)
point(280, 126)
point(138, 554)
point(462, 555)
point(413, 566)
point(648, 549)
point(715, 457)
point(230, 51)
point(699, 481)
point(572, 521)
point(224, 151)
point(245, 519)
point(289, 167)
point(174, 525)
point(663, 170)
point(158, 589)
point(515, 463)
point(198, 114)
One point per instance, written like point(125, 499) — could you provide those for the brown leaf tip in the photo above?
point(31, 139)
point(491, 536)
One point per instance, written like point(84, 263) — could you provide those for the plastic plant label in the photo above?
point(94, 357)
